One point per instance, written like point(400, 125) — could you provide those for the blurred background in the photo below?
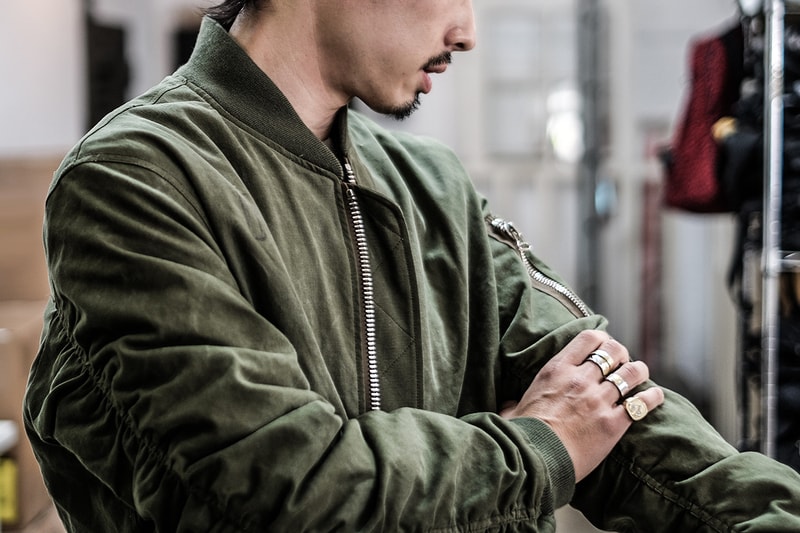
point(560, 114)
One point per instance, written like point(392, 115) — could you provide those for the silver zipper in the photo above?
point(367, 289)
point(523, 247)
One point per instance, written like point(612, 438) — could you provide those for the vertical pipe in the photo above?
point(773, 173)
point(588, 13)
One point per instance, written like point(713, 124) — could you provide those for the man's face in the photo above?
point(385, 51)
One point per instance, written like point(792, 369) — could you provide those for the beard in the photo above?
point(403, 111)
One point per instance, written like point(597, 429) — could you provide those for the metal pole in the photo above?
point(773, 174)
point(588, 12)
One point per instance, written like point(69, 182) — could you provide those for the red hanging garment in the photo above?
point(693, 181)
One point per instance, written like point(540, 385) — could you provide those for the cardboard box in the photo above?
point(23, 189)
point(23, 292)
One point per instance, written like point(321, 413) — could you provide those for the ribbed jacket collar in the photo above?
point(222, 68)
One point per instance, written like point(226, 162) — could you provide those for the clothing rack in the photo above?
point(767, 265)
point(748, 80)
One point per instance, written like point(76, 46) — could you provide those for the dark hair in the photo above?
point(227, 11)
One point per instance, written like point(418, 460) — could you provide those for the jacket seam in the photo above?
point(136, 162)
point(670, 495)
point(126, 108)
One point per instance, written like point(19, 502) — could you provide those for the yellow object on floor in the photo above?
point(8, 491)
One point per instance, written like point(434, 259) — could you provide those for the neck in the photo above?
point(281, 43)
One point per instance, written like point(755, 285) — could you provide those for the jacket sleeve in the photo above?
point(671, 471)
point(175, 407)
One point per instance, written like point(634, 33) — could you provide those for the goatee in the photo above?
point(404, 111)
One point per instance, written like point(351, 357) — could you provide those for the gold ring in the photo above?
point(621, 384)
point(602, 360)
point(636, 408)
point(604, 354)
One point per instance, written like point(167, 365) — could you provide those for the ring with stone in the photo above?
point(635, 407)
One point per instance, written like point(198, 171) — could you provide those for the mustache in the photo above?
point(445, 58)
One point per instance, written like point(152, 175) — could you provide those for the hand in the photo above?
point(571, 395)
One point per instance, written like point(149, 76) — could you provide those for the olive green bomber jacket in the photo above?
point(205, 362)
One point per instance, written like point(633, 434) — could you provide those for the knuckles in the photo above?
point(592, 336)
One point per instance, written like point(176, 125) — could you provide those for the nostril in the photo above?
point(461, 37)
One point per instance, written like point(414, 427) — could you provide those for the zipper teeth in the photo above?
point(522, 247)
point(367, 291)
point(541, 278)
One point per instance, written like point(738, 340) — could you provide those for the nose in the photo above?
point(461, 38)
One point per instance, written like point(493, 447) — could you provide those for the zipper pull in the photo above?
point(509, 229)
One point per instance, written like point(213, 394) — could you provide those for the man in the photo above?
point(269, 314)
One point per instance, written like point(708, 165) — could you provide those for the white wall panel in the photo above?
point(41, 93)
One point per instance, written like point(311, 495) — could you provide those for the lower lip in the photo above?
point(427, 83)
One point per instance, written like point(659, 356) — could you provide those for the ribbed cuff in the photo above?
point(555, 456)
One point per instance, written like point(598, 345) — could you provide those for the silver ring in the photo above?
point(604, 354)
point(602, 360)
point(635, 407)
point(620, 383)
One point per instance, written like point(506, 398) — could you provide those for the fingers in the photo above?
point(618, 375)
point(633, 407)
point(636, 407)
point(628, 376)
point(588, 410)
point(600, 361)
point(598, 349)
point(583, 344)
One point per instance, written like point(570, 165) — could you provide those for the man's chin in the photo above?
point(400, 112)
